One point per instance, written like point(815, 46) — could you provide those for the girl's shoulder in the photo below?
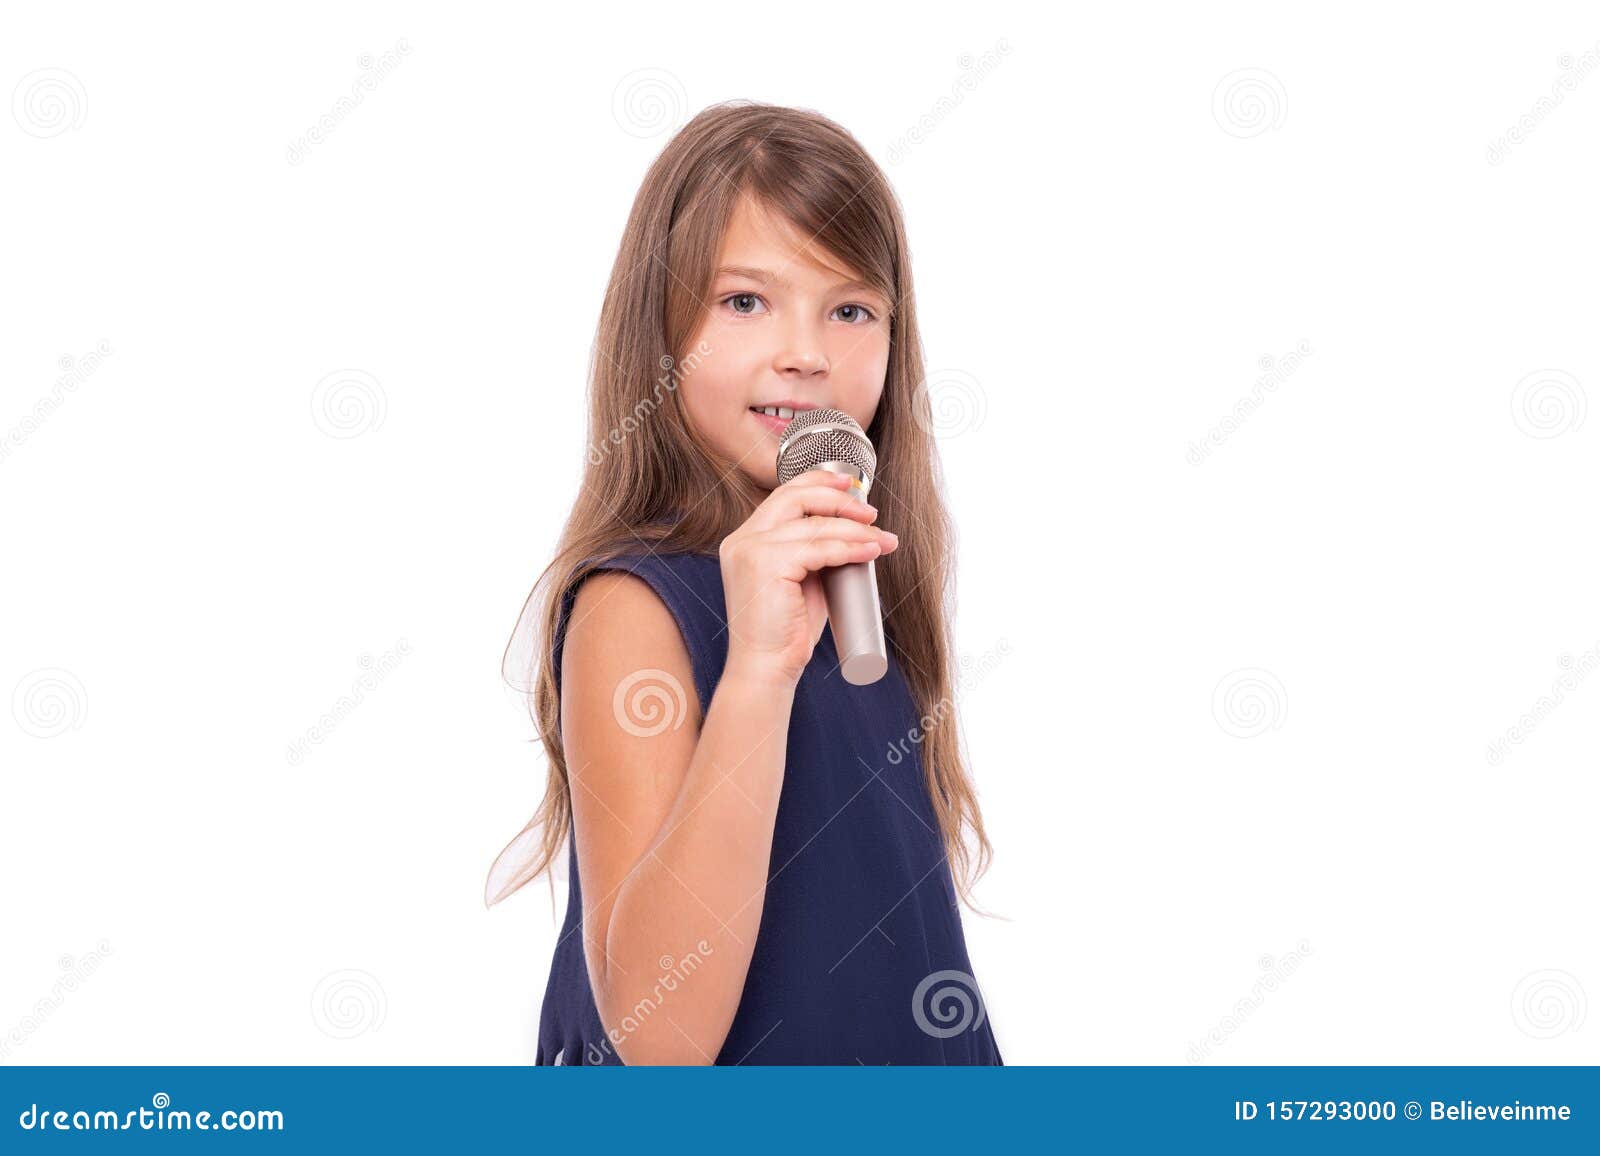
point(688, 584)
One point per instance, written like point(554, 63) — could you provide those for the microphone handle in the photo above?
point(854, 612)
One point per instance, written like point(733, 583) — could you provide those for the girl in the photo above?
point(760, 867)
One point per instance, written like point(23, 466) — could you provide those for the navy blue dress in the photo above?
point(860, 955)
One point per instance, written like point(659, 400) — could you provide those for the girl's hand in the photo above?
point(776, 608)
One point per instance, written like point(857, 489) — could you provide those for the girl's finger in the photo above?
point(786, 505)
point(796, 560)
point(819, 526)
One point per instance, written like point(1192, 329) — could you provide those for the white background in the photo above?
point(1397, 546)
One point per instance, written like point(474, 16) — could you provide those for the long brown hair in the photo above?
point(650, 482)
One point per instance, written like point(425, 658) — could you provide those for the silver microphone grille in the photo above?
point(815, 436)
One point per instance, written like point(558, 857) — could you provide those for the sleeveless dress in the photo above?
point(860, 956)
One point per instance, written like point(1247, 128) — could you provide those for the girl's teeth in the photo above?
point(777, 411)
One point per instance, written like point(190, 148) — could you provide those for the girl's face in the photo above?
point(787, 328)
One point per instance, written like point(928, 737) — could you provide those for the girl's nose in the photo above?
point(802, 354)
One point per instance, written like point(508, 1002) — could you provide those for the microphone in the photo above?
point(829, 439)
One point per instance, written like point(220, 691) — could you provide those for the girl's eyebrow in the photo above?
point(769, 278)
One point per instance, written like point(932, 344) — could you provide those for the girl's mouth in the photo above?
point(777, 417)
point(775, 424)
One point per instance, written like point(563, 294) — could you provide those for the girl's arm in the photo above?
point(674, 830)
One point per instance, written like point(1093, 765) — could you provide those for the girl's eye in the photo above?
point(744, 303)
